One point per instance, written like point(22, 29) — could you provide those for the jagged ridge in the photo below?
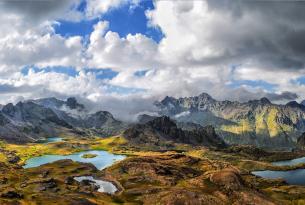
point(34, 119)
point(161, 130)
point(257, 122)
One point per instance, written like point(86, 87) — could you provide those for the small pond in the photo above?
point(50, 140)
point(104, 186)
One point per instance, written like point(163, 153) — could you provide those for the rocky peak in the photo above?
point(262, 101)
point(295, 104)
point(163, 123)
point(205, 96)
point(160, 130)
point(168, 100)
point(73, 104)
point(265, 100)
point(144, 118)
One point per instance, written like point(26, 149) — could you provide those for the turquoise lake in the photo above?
point(101, 161)
point(50, 140)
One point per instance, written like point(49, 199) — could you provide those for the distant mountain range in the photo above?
point(31, 120)
point(256, 122)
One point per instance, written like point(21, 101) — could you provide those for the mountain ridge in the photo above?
point(256, 122)
point(162, 132)
point(34, 119)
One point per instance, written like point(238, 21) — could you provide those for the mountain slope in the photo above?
point(257, 122)
point(28, 121)
point(162, 132)
point(34, 119)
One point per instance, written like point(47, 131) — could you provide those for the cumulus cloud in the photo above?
point(265, 34)
point(95, 8)
point(207, 45)
point(42, 50)
point(108, 49)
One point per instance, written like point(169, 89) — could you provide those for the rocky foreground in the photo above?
point(179, 179)
point(49, 184)
point(193, 177)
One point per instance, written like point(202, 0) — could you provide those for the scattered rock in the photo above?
point(13, 159)
point(12, 194)
point(69, 180)
point(44, 174)
point(3, 180)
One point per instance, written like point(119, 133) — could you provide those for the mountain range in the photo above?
point(256, 122)
point(34, 119)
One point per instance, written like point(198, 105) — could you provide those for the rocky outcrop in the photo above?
point(48, 184)
point(161, 130)
point(73, 104)
point(142, 119)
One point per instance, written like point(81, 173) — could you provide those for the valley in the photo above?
point(152, 102)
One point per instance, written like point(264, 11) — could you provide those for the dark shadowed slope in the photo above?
point(163, 132)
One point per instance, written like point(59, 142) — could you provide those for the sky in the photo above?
point(122, 55)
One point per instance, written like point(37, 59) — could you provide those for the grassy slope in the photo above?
point(264, 123)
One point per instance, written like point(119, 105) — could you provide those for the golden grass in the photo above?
point(243, 126)
point(2, 157)
point(108, 143)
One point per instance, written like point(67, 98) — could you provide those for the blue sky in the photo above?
point(254, 84)
point(127, 19)
point(124, 20)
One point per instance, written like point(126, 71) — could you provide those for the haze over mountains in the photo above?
point(256, 122)
point(34, 119)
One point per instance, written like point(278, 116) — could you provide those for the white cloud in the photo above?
point(109, 50)
point(202, 41)
point(32, 48)
point(96, 8)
